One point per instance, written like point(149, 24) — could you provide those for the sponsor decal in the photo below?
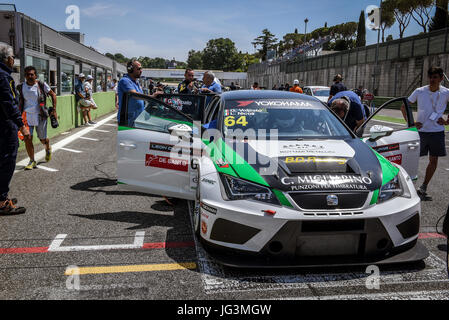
point(396, 159)
point(161, 147)
point(203, 227)
point(326, 182)
point(222, 164)
point(286, 103)
point(208, 208)
point(204, 215)
point(209, 181)
point(308, 160)
point(388, 148)
point(244, 103)
point(171, 148)
point(177, 103)
point(166, 163)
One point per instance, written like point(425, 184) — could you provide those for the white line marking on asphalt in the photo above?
point(71, 150)
point(57, 242)
point(410, 295)
point(98, 130)
point(90, 139)
point(41, 155)
point(47, 169)
point(65, 133)
point(110, 125)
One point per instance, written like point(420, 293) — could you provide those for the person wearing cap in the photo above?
point(82, 100)
point(296, 88)
point(337, 87)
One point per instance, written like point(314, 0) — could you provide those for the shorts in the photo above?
point(41, 129)
point(433, 143)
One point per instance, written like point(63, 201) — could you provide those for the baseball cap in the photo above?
point(89, 77)
point(296, 82)
point(81, 75)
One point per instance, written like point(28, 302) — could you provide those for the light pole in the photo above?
point(377, 48)
point(305, 31)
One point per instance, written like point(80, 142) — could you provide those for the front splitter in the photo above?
point(235, 259)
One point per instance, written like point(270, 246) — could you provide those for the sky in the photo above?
point(170, 28)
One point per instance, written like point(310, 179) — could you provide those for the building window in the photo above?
point(41, 65)
point(67, 77)
point(100, 80)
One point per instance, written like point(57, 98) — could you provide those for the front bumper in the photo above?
point(242, 234)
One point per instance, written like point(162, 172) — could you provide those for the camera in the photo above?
point(53, 119)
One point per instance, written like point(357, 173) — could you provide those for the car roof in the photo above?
point(265, 94)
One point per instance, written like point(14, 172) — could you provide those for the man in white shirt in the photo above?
point(33, 99)
point(432, 103)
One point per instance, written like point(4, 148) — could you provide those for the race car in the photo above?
point(276, 179)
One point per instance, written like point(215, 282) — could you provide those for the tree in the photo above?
point(421, 10)
point(221, 54)
point(290, 41)
point(361, 31)
point(402, 10)
point(195, 60)
point(440, 20)
point(387, 19)
point(390, 38)
point(267, 41)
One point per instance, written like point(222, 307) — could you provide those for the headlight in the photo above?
point(237, 189)
point(391, 190)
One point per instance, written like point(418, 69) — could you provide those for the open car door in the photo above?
point(395, 138)
point(156, 146)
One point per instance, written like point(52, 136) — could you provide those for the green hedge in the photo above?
point(68, 116)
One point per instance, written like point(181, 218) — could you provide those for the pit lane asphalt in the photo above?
point(82, 201)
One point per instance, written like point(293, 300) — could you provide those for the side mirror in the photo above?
point(181, 130)
point(379, 131)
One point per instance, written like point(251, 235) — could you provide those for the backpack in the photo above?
point(42, 99)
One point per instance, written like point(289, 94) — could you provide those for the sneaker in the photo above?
point(48, 155)
point(8, 208)
point(87, 124)
point(92, 122)
point(423, 195)
point(32, 165)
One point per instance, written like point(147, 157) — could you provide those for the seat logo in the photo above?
point(332, 200)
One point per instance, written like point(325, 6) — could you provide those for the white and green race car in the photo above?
point(276, 178)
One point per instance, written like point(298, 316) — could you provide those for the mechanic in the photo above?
point(351, 113)
point(337, 87)
point(296, 88)
point(33, 98)
point(432, 103)
point(10, 122)
point(188, 85)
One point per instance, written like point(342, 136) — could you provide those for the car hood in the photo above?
point(323, 165)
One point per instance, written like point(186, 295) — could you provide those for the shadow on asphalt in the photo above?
point(178, 224)
point(95, 185)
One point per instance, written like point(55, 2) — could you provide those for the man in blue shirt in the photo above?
point(337, 87)
point(356, 114)
point(210, 86)
point(129, 83)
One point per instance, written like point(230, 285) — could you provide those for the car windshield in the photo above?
point(321, 93)
point(286, 119)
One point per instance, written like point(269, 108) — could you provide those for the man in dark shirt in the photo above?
point(10, 123)
point(337, 87)
point(351, 113)
point(188, 85)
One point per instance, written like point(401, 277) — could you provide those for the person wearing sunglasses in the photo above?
point(432, 103)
